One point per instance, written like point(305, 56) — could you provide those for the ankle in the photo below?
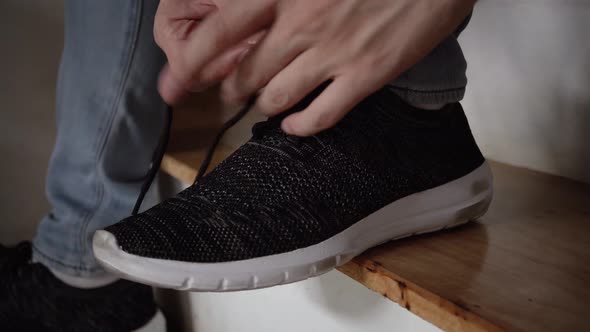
point(428, 107)
point(84, 282)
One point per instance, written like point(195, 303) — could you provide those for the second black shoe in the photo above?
point(33, 299)
point(282, 208)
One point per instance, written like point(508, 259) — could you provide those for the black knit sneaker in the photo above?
point(32, 299)
point(283, 208)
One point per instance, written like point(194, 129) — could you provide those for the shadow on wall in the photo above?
point(32, 38)
point(571, 100)
point(529, 71)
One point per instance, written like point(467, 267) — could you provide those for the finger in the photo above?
point(221, 67)
point(216, 34)
point(176, 19)
point(171, 91)
point(274, 53)
point(292, 84)
point(178, 9)
point(328, 108)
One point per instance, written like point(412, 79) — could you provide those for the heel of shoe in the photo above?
point(446, 206)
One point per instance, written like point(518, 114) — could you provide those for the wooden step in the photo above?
point(525, 266)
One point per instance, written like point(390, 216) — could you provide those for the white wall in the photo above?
point(332, 302)
point(31, 40)
point(528, 97)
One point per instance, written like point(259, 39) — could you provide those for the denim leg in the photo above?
point(439, 77)
point(109, 118)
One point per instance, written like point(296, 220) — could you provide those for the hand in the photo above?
point(360, 45)
point(174, 22)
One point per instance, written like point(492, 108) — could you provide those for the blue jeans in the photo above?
point(109, 118)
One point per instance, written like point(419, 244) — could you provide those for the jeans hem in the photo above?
point(74, 270)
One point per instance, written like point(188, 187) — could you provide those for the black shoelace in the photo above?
point(163, 145)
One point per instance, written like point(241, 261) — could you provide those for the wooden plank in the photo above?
point(183, 165)
point(523, 267)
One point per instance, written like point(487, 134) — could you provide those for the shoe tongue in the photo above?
point(272, 126)
point(270, 134)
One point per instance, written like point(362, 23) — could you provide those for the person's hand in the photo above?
point(175, 21)
point(360, 45)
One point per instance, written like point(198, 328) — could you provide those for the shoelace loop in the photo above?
point(163, 144)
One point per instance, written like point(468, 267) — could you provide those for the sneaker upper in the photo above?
point(32, 299)
point(279, 193)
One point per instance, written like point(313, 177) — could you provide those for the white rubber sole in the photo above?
point(449, 205)
point(156, 324)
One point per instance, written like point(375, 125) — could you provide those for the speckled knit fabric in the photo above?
point(278, 193)
point(32, 299)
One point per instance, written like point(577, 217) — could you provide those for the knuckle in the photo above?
point(292, 34)
point(286, 29)
point(252, 84)
point(373, 61)
point(249, 82)
point(274, 100)
point(180, 70)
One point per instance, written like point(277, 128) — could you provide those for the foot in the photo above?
point(32, 299)
point(283, 208)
